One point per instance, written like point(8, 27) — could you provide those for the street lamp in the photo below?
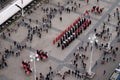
point(32, 59)
point(92, 39)
point(21, 8)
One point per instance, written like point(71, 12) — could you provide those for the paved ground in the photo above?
point(60, 60)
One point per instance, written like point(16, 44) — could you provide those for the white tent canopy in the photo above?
point(12, 9)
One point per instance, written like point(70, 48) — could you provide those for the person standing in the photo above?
point(87, 1)
point(97, 1)
point(104, 72)
point(60, 18)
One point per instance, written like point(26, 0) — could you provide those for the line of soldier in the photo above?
point(73, 33)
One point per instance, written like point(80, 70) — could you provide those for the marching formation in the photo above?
point(72, 32)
